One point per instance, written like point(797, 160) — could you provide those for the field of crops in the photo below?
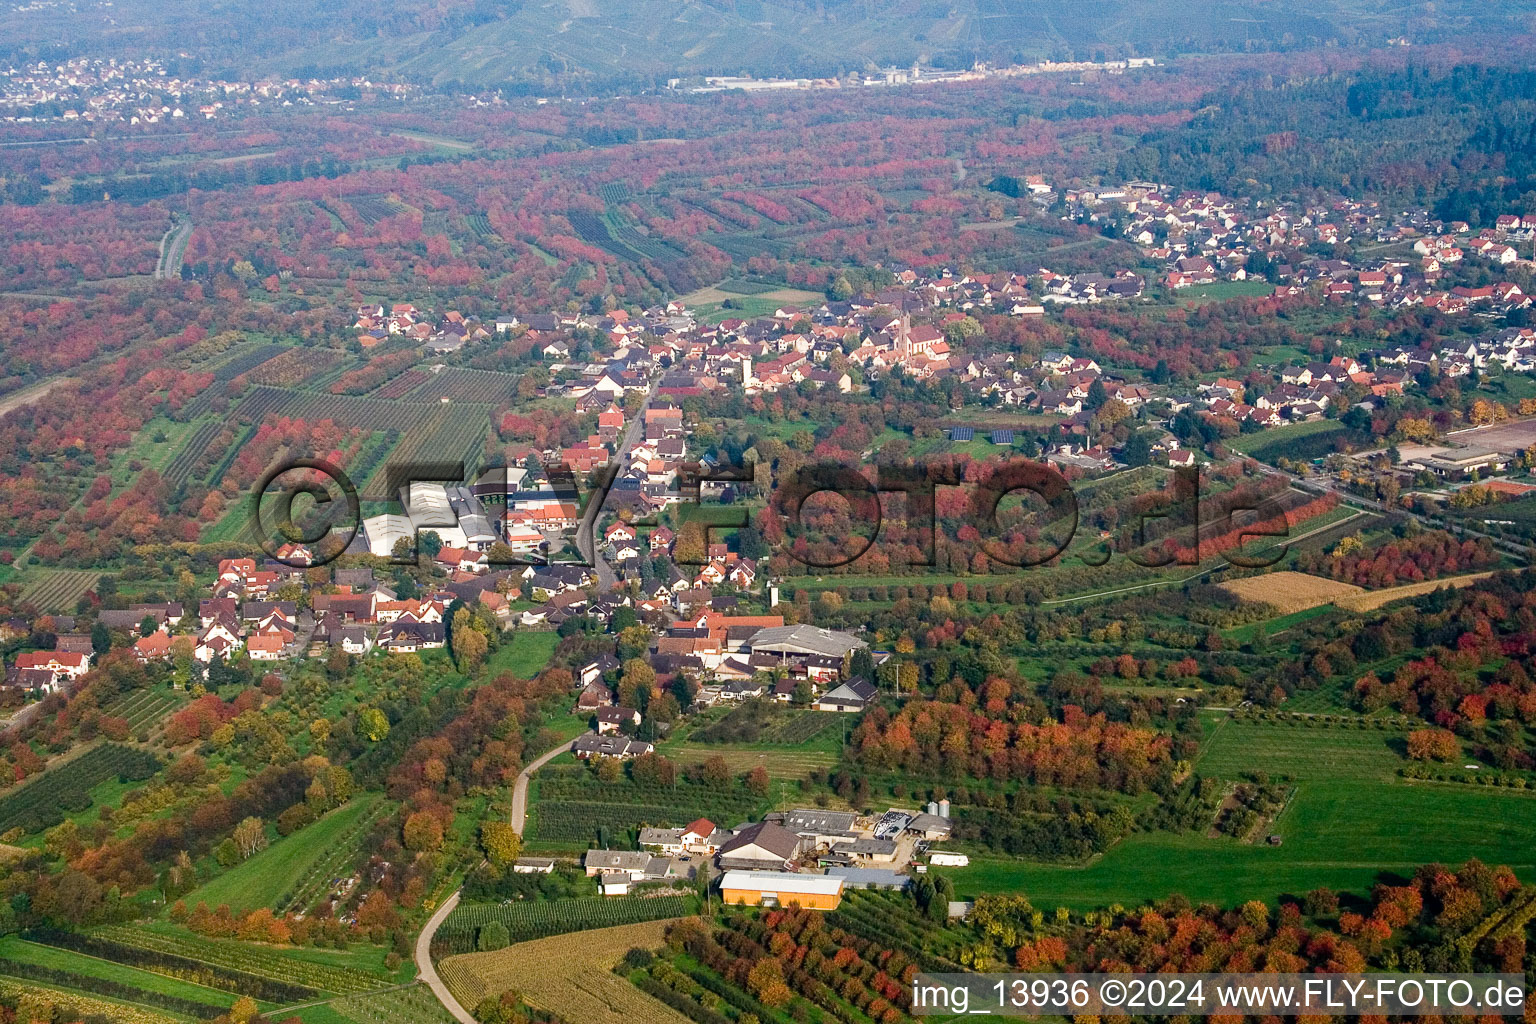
point(480, 224)
point(1373, 599)
point(186, 460)
point(249, 959)
point(797, 729)
point(239, 359)
point(1310, 439)
point(81, 1007)
point(573, 806)
point(243, 358)
point(627, 244)
point(293, 366)
point(142, 708)
point(345, 410)
point(570, 975)
point(59, 590)
point(414, 1005)
point(465, 385)
point(1288, 592)
point(43, 801)
point(175, 965)
point(336, 861)
point(445, 434)
point(372, 209)
point(77, 981)
point(400, 386)
point(543, 918)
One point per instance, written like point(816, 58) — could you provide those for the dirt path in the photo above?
point(26, 396)
point(520, 787)
point(428, 973)
point(425, 970)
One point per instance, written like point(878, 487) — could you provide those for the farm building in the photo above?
point(819, 827)
point(781, 889)
point(854, 696)
point(763, 846)
point(787, 641)
point(869, 878)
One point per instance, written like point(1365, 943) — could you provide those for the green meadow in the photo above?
point(1350, 820)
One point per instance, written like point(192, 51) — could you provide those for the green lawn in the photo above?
point(150, 453)
point(271, 874)
point(1251, 444)
point(747, 307)
point(1221, 290)
point(525, 655)
point(1350, 819)
point(234, 525)
point(1243, 634)
point(13, 948)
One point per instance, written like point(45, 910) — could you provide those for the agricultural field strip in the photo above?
point(318, 878)
point(100, 984)
point(82, 958)
point(38, 803)
point(103, 1006)
point(410, 1004)
point(536, 920)
point(180, 469)
point(139, 707)
point(462, 384)
point(346, 410)
point(559, 974)
point(248, 959)
point(59, 589)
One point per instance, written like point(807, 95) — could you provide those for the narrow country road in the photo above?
point(428, 973)
point(424, 967)
point(520, 787)
point(172, 245)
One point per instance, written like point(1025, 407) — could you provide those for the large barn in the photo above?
point(781, 889)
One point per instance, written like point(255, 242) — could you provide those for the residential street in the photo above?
point(586, 532)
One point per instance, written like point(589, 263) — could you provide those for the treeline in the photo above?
point(1427, 556)
point(143, 188)
point(111, 989)
point(1073, 834)
point(196, 971)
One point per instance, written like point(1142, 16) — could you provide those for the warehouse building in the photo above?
point(781, 889)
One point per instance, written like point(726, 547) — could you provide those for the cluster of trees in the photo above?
point(1439, 920)
point(1425, 556)
point(52, 247)
point(1073, 749)
point(770, 960)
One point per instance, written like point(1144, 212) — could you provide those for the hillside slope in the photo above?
point(544, 43)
